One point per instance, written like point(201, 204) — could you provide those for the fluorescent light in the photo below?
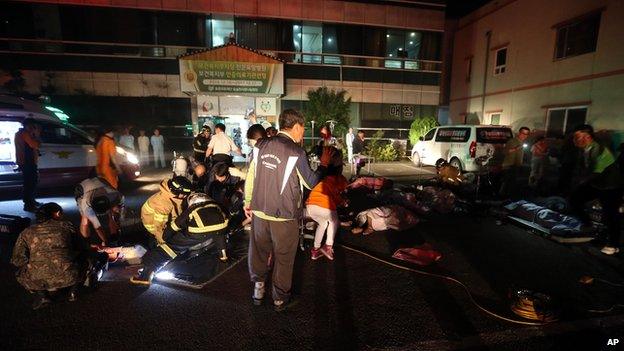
point(387, 35)
point(413, 34)
point(411, 43)
point(329, 40)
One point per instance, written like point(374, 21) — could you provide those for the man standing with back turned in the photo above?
point(274, 195)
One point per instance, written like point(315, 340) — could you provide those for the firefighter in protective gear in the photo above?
point(200, 144)
point(203, 223)
point(46, 255)
point(164, 206)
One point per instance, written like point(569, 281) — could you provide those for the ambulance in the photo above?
point(67, 155)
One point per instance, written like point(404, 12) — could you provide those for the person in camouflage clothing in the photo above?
point(46, 255)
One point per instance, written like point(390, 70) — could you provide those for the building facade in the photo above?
point(117, 59)
point(547, 65)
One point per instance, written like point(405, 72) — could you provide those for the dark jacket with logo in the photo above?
point(280, 171)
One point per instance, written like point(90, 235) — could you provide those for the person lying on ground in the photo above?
point(447, 173)
point(382, 218)
point(46, 255)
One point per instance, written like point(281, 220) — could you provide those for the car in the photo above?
point(470, 148)
point(67, 154)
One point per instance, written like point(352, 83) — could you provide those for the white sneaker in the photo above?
point(258, 294)
point(608, 250)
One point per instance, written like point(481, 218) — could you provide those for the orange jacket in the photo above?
point(25, 140)
point(105, 151)
point(326, 193)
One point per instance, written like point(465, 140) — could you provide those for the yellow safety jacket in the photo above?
point(159, 209)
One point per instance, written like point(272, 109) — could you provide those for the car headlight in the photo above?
point(132, 158)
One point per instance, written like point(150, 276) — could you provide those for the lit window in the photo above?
point(501, 61)
point(222, 26)
point(577, 37)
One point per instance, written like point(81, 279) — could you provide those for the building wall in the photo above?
point(430, 17)
point(534, 80)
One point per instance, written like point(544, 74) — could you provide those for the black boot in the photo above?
point(41, 300)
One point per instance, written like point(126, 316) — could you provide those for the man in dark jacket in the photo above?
point(46, 255)
point(27, 145)
point(200, 144)
point(274, 196)
point(600, 178)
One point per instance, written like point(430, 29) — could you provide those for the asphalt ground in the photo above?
point(354, 302)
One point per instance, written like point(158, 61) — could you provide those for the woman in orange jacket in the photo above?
point(106, 152)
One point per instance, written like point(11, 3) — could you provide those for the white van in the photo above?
point(67, 153)
point(463, 146)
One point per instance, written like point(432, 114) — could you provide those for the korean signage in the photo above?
point(231, 77)
point(207, 105)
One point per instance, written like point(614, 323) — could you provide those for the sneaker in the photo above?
point(258, 294)
point(143, 277)
point(608, 250)
point(328, 251)
point(279, 305)
point(315, 253)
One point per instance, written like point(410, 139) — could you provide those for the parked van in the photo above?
point(67, 154)
point(467, 147)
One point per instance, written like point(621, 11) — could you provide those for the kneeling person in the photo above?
point(164, 206)
point(203, 222)
point(94, 196)
point(46, 255)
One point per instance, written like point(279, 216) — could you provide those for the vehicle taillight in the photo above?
point(473, 149)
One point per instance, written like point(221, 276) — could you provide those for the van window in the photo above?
point(429, 135)
point(54, 133)
point(453, 135)
point(493, 135)
point(7, 145)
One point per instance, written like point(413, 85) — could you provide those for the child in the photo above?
point(322, 204)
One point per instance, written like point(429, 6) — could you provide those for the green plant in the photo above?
point(328, 105)
point(420, 127)
point(382, 150)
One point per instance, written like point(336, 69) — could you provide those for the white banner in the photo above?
point(266, 106)
point(235, 105)
point(207, 105)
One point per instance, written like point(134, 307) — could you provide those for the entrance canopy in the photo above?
point(231, 70)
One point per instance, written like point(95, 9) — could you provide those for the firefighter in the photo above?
point(46, 255)
point(165, 205)
point(200, 144)
point(203, 223)
point(94, 196)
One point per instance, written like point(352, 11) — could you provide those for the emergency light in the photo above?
point(58, 113)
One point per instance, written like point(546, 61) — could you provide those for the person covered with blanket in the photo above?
point(322, 206)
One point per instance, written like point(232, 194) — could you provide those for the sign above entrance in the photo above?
point(266, 106)
point(199, 76)
point(235, 105)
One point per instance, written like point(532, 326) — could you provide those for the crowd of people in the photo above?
point(199, 204)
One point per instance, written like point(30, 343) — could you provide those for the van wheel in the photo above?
point(416, 159)
point(455, 162)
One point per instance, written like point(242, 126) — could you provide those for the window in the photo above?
point(456, 135)
point(312, 41)
point(561, 121)
point(330, 44)
point(53, 133)
point(577, 37)
point(406, 45)
point(501, 61)
point(429, 135)
point(222, 26)
point(495, 118)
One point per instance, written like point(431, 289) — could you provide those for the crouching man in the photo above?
point(164, 206)
point(46, 255)
point(94, 196)
point(202, 223)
